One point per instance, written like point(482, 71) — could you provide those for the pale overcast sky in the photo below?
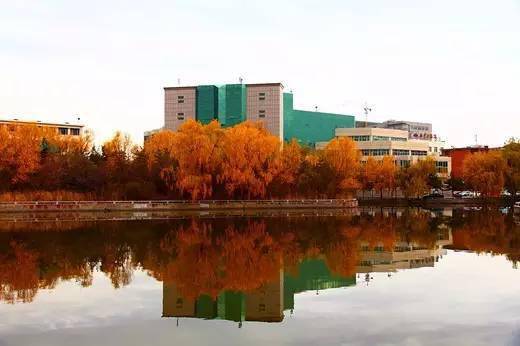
point(455, 63)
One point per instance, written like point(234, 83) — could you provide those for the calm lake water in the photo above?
point(373, 277)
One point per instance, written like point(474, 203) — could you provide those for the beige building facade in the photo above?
point(380, 142)
point(265, 105)
point(179, 106)
point(63, 129)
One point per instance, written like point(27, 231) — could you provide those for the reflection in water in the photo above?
point(245, 269)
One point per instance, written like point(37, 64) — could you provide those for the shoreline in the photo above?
point(161, 205)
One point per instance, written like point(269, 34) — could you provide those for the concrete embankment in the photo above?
point(104, 206)
point(436, 202)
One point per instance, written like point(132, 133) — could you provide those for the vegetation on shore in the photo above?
point(210, 162)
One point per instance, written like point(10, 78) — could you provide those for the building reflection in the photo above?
point(273, 300)
point(265, 304)
point(404, 255)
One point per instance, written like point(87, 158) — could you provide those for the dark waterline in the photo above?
point(381, 276)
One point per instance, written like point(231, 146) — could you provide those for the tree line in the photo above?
point(210, 162)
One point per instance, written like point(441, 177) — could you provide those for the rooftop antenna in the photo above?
point(367, 110)
point(178, 81)
point(240, 80)
point(316, 108)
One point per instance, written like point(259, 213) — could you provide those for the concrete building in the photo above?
point(64, 129)
point(380, 142)
point(266, 103)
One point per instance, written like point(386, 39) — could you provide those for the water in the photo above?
point(378, 277)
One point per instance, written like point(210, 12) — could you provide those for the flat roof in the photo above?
point(180, 87)
point(195, 86)
point(36, 122)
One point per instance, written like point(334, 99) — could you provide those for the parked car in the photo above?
point(505, 193)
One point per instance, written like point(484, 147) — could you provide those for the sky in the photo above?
point(455, 64)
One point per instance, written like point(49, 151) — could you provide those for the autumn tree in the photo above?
point(288, 169)
point(511, 154)
point(20, 149)
point(196, 148)
point(249, 160)
point(484, 172)
point(413, 180)
point(342, 155)
point(379, 174)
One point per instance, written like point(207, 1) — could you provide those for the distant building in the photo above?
point(64, 129)
point(266, 103)
point(458, 155)
point(380, 142)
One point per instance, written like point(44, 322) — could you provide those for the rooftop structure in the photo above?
point(64, 129)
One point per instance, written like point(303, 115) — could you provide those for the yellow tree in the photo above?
point(196, 148)
point(511, 153)
point(288, 169)
point(249, 160)
point(342, 155)
point(484, 172)
point(385, 178)
point(20, 149)
point(413, 180)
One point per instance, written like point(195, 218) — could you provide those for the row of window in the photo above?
point(375, 152)
point(180, 116)
point(261, 97)
point(360, 138)
point(68, 131)
point(401, 152)
point(419, 153)
point(387, 138)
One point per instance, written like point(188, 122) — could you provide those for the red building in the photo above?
point(458, 155)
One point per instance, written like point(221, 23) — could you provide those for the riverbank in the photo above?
point(436, 202)
point(109, 206)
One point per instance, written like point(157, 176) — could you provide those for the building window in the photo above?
point(261, 114)
point(365, 152)
point(419, 153)
point(360, 138)
point(180, 99)
point(401, 152)
point(74, 132)
point(180, 116)
point(398, 139)
point(379, 152)
point(441, 166)
point(261, 96)
point(63, 130)
point(380, 138)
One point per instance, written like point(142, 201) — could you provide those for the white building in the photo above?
point(380, 142)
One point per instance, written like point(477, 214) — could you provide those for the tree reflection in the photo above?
point(207, 257)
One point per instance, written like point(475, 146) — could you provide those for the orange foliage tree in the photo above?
point(197, 151)
point(413, 180)
point(485, 172)
point(20, 149)
point(342, 155)
point(249, 160)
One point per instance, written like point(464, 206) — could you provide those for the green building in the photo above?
point(232, 104)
